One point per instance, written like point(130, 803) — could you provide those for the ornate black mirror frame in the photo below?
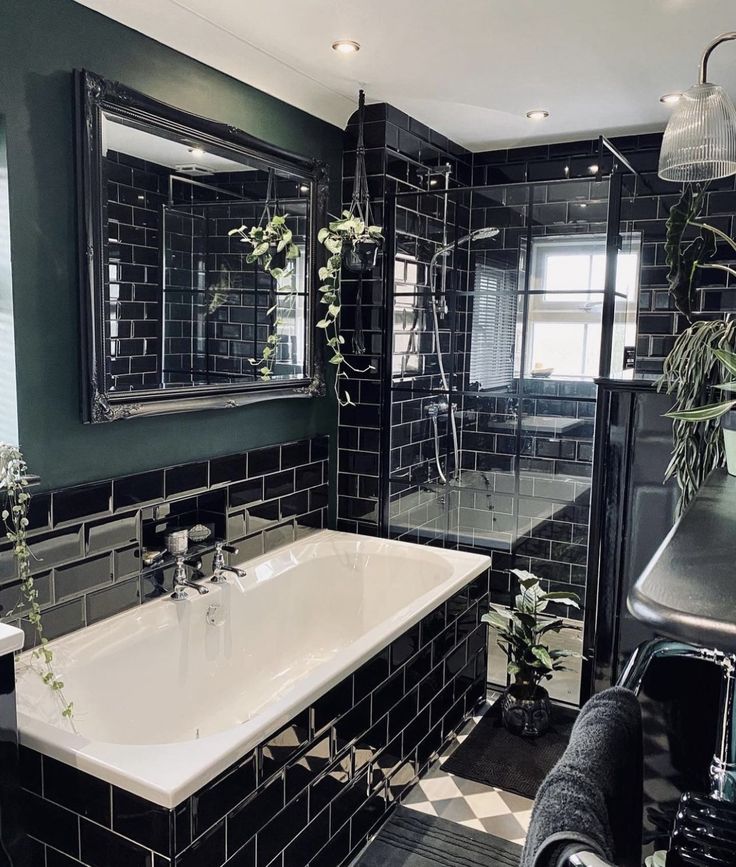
point(95, 95)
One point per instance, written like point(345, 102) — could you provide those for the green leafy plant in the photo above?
point(688, 258)
point(691, 372)
point(521, 633)
point(349, 230)
point(273, 248)
point(14, 485)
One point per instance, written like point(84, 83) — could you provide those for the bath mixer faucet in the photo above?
point(181, 581)
point(219, 566)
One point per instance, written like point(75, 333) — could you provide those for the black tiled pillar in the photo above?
point(398, 151)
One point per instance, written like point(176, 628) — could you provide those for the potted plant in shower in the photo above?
point(525, 706)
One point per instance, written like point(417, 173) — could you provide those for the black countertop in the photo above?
point(688, 590)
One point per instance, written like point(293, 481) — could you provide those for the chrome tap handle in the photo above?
point(180, 580)
point(219, 566)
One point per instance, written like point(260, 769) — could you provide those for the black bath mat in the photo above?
point(496, 757)
point(413, 839)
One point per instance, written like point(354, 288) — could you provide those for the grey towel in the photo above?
point(593, 795)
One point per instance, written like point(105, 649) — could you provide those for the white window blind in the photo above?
point(493, 328)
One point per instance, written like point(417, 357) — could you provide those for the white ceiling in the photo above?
point(468, 68)
point(126, 139)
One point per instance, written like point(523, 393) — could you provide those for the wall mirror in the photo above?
point(180, 310)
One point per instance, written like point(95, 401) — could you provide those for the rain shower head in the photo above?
point(485, 232)
point(477, 235)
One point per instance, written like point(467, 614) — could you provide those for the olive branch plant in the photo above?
point(338, 235)
point(14, 484)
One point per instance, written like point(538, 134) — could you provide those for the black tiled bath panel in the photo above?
point(311, 793)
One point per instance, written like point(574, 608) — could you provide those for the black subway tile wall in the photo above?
point(87, 541)
point(399, 151)
point(310, 794)
point(645, 208)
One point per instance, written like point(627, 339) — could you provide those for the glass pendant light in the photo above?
point(699, 143)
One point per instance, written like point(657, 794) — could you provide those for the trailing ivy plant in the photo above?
point(338, 236)
point(273, 248)
point(14, 485)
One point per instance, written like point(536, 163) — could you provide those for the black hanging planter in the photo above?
point(360, 256)
point(278, 260)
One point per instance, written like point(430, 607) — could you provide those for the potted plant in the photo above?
point(525, 706)
point(720, 410)
point(271, 245)
point(692, 368)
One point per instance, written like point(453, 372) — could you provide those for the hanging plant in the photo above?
point(691, 372)
point(361, 246)
point(688, 259)
point(352, 241)
point(273, 248)
point(14, 485)
point(335, 238)
point(693, 367)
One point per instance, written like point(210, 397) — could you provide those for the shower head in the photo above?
point(477, 235)
point(485, 232)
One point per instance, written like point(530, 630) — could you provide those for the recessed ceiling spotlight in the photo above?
point(346, 46)
point(537, 114)
point(196, 152)
point(304, 188)
point(670, 98)
point(593, 169)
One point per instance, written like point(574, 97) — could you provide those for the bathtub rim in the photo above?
point(183, 768)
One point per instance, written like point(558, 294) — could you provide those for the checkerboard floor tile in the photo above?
point(507, 815)
point(471, 804)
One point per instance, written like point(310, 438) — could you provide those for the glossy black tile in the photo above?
point(104, 535)
point(51, 824)
point(277, 750)
point(306, 845)
point(301, 771)
point(246, 492)
point(257, 811)
point(275, 836)
point(262, 461)
point(278, 484)
point(295, 454)
point(337, 701)
point(76, 791)
point(141, 821)
point(137, 490)
point(188, 478)
point(231, 468)
point(85, 575)
point(219, 797)
point(86, 501)
point(102, 848)
point(207, 851)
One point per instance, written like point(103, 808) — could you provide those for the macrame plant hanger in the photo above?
point(360, 207)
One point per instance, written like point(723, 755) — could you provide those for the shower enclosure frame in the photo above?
point(620, 169)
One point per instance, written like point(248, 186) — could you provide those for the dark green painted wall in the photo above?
point(41, 43)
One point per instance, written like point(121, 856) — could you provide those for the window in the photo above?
point(566, 302)
point(493, 328)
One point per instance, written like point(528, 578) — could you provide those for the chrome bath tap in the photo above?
point(219, 567)
point(181, 581)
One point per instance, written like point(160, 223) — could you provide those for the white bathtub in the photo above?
point(165, 698)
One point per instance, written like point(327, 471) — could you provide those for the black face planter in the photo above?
point(360, 256)
point(524, 713)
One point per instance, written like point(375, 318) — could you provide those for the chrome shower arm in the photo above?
point(703, 69)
